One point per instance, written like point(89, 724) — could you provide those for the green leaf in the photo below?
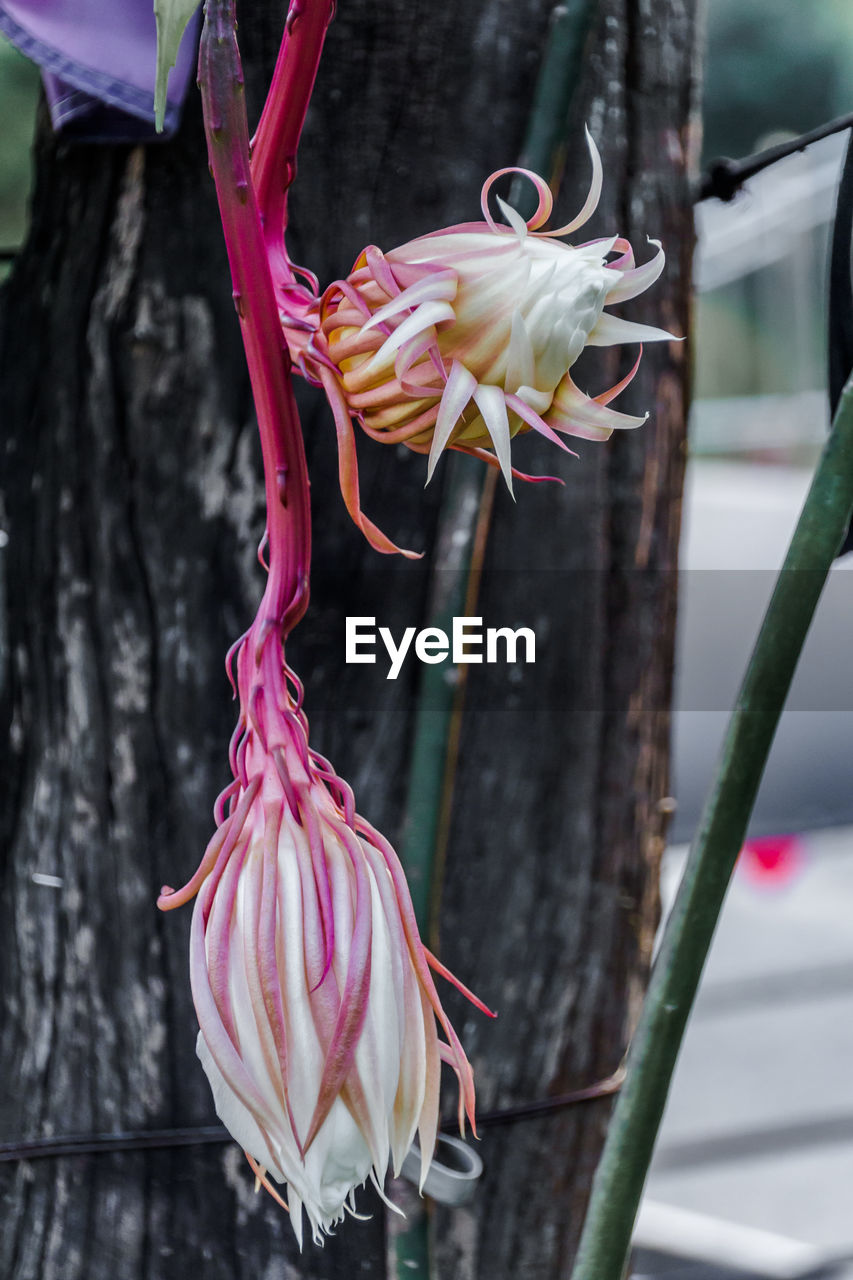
point(172, 18)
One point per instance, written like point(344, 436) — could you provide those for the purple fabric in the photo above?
point(98, 60)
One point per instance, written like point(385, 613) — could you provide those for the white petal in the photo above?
point(442, 286)
point(520, 368)
point(514, 219)
point(425, 316)
point(538, 400)
point(610, 329)
point(591, 203)
point(377, 1055)
point(492, 405)
point(638, 279)
point(294, 1201)
point(597, 250)
point(457, 393)
point(577, 414)
point(238, 1120)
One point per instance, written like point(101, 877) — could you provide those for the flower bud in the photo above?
point(464, 338)
point(316, 1006)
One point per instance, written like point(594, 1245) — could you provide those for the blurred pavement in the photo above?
point(738, 519)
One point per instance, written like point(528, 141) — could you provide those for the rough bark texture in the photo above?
point(132, 501)
point(550, 898)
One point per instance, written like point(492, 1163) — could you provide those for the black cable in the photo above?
point(724, 178)
point(101, 1143)
point(207, 1135)
point(545, 1106)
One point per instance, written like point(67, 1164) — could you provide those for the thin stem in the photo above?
point(465, 517)
point(285, 472)
point(631, 1136)
point(562, 65)
point(276, 142)
point(430, 780)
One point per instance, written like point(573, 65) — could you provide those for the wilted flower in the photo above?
point(465, 337)
point(313, 990)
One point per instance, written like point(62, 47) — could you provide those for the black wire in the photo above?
point(100, 1143)
point(207, 1135)
point(724, 178)
point(545, 1106)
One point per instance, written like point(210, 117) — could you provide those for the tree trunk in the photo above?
point(133, 504)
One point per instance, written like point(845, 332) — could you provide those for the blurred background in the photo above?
point(753, 1175)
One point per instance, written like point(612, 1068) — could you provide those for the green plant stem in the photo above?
point(562, 67)
point(437, 692)
point(412, 1254)
point(622, 1170)
point(430, 772)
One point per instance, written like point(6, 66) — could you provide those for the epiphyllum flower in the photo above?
point(313, 990)
point(465, 337)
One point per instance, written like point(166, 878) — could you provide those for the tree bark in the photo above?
point(133, 503)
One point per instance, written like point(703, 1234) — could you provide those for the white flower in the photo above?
point(465, 337)
point(316, 1006)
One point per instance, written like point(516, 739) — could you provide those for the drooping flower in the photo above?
point(466, 337)
point(316, 1005)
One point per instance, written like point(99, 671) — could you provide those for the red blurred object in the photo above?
point(772, 859)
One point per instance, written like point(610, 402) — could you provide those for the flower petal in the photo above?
point(440, 285)
point(612, 329)
point(457, 394)
point(520, 365)
point(637, 279)
point(591, 203)
point(578, 415)
point(492, 405)
point(348, 470)
point(426, 317)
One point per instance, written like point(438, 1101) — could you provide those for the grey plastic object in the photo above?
point(454, 1172)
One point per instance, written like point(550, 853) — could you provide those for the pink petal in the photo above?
point(591, 203)
point(635, 280)
point(348, 471)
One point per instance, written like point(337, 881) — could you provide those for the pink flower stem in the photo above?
point(275, 144)
point(285, 471)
